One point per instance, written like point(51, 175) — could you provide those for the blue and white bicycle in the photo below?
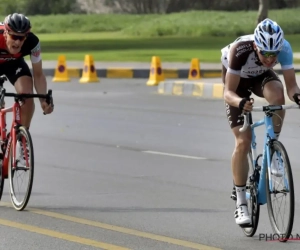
point(263, 186)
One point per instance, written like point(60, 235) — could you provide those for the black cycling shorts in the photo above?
point(15, 69)
point(246, 87)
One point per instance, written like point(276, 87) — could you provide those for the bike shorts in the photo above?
point(246, 87)
point(15, 69)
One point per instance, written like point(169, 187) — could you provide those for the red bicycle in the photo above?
point(17, 158)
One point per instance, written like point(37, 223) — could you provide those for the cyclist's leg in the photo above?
point(272, 90)
point(239, 162)
point(18, 73)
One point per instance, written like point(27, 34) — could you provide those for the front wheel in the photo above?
point(21, 170)
point(280, 193)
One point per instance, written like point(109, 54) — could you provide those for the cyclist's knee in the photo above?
point(28, 103)
point(24, 85)
point(277, 99)
point(274, 93)
point(242, 145)
point(242, 140)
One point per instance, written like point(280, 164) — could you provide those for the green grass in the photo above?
point(115, 47)
point(192, 23)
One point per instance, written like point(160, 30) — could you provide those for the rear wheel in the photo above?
point(251, 194)
point(21, 170)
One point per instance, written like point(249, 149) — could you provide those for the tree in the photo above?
point(262, 10)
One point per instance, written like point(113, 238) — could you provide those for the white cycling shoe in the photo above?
point(277, 167)
point(241, 215)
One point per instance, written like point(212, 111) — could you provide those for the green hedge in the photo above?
point(193, 23)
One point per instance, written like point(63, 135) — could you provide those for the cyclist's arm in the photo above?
point(286, 60)
point(231, 83)
point(40, 83)
point(237, 58)
point(290, 83)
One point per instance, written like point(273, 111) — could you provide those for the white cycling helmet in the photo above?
point(268, 36)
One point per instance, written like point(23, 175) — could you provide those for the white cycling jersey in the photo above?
point(240, 58)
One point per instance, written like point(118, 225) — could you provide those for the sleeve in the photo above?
point(238, 55)
point(35, 53)
point(285, 57)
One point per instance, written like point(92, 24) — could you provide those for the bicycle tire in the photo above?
point(253, 206)
point(278, 146)
point(21, 204)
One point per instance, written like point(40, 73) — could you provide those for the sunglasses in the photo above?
point(269, 54)
point(17, 37)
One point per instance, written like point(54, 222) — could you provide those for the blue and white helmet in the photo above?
point(268, 36)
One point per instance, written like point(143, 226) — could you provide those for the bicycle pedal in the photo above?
point(233, 197)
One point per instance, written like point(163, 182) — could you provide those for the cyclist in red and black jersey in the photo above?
point(16, 42)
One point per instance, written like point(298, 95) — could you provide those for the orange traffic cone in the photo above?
point(89, 73)
point(156, 73)
point(61, 72)
point(194, 72)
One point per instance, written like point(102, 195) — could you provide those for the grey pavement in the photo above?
point(153, 171)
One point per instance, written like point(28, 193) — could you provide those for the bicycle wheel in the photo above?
point(21, 171)
point(281, 191)
point(252, 201)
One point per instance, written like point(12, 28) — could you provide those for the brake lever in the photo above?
point(246, 122)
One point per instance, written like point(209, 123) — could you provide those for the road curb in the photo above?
point(136, 73)
point(191, 88)
point(143, 73)
point(202, 90)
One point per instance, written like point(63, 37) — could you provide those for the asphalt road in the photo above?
point(118, 166)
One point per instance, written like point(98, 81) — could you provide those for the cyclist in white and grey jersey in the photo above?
point(248, 68)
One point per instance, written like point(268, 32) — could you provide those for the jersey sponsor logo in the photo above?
point(18, 70)
point(242, 51)
point(7, 58)
point(36, 51)
point(254, 72)
point(243, 46)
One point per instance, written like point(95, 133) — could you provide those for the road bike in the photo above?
point(17, 157)
point(262, 185)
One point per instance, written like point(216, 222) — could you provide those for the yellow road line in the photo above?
point(133, 232)
point(62, 236)
point(160, 238)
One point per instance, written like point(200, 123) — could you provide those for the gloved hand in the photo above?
point(296, 98)
point(246, 104)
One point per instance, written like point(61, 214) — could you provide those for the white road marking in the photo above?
point(175, 155)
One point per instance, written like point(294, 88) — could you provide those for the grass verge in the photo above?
point(192, 23)
point(115, 47)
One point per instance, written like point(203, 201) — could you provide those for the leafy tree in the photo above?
point(38, 7)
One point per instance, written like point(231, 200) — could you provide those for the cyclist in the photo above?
point(247, 67)
point(16, 42)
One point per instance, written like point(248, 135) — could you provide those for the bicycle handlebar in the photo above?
point(48, 96)
point(267, 108)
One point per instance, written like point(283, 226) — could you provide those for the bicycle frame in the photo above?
point(15, 109)
point(266, 159)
